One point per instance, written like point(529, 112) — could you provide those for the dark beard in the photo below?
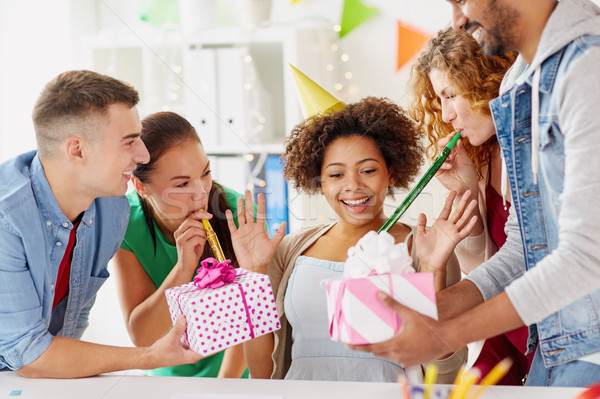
point(494, 46)
point(501, 37)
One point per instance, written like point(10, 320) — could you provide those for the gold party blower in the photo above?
point(213, 241)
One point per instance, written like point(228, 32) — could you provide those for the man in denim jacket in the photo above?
point(63, 215)
point(547, 275)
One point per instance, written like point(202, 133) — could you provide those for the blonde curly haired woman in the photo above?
point(452, 83)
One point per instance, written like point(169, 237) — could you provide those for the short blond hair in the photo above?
point(74, 104)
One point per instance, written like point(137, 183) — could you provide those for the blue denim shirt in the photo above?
point(573, 331)
point(33, 236)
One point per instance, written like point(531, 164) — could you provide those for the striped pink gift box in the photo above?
point(358, 317)
point(218, 318)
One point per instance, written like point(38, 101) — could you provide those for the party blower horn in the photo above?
point(314, 100)
point(435, 166)
point(213, 241)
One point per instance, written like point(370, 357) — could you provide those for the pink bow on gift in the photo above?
point(215, 275)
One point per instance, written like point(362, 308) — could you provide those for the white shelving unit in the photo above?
point(253, 63)
point(146, 57)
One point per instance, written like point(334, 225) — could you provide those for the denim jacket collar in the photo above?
point(49, 208)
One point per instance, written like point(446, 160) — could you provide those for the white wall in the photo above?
point(37, 41)
point(372, 46)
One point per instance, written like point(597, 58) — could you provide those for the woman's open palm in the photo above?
point(435, 245)
point(251, 243)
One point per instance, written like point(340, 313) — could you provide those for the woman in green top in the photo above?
point(165, 238)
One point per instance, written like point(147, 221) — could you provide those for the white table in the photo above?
point(129, 387)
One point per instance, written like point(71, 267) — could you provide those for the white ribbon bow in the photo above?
point(377, 254)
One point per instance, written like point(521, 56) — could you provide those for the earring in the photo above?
point(144, 196)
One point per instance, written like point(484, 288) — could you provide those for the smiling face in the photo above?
point(179, 184)
point(355, 179)
point(492, 23)
point(116, 152)
point(474, 126)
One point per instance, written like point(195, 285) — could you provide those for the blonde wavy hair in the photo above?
point(475, 77)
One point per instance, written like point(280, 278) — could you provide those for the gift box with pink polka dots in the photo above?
point(218, 318)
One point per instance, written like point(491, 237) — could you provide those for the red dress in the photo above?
point(513, 343)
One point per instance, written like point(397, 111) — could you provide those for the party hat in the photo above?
point(314, 100)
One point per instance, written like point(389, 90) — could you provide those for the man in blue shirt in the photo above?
point(63, 215)
point(547, 275)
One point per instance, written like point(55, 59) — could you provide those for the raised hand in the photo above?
point(458, 173)
point(190, 239)
point(251, 243)
point(435, 245)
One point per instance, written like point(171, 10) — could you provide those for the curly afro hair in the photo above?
point(393, 132)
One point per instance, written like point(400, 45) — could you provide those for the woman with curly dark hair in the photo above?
point(355, 157)
point(452, 84)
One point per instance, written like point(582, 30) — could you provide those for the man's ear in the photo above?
point(74, 148)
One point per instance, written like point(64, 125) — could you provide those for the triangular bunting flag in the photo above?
point(410, 42)
point(355, 12)
point(159, 12)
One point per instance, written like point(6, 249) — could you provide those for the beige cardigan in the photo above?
point(280, 269)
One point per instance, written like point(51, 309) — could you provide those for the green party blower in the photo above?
point(437, 163)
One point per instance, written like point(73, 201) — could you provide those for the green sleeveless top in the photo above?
point(138, 240)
